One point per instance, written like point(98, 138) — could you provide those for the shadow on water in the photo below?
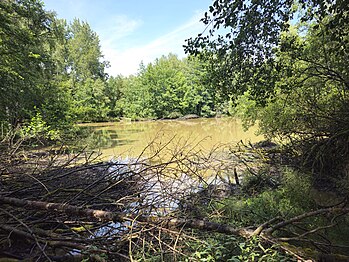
point(105, 138)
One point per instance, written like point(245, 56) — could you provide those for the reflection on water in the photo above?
point(130, 138)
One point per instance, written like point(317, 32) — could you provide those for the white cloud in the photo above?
point(119, 26)
point(126, 61)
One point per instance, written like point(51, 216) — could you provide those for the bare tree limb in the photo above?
point(306, 215)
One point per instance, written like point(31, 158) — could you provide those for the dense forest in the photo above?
point(54, 72)
point(283, 65)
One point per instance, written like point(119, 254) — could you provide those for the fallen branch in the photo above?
point(265, 230)
point(107, 216)
point(200, 224)
point(306, 215)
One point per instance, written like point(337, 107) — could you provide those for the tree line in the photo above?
point(53, 74)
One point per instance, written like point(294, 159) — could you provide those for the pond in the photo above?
point(129, 139)
point(165, 187)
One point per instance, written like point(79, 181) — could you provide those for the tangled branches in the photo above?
point(69, 207)
point(136, 187)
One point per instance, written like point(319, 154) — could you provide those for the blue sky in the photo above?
point(132, 31)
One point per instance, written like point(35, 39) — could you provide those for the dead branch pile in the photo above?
point(134, 189)
point(69, 207)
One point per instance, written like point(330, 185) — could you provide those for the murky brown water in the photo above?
point(130, 138)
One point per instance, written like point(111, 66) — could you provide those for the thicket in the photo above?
point(285, 65)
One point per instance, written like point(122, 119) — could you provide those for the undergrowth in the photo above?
point(292, 197)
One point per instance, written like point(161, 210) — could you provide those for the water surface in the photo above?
point(128, 139)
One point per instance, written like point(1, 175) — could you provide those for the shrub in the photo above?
point(38, 130)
